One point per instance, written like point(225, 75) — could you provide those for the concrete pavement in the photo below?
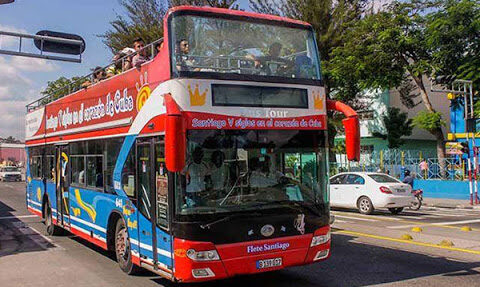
point(363, 254)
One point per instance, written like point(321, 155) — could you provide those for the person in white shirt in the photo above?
point(218, 173)
point(195, 174)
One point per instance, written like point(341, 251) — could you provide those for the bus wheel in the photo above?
point(123, 250)
point(52, 229)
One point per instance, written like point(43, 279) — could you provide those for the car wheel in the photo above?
point(123, 249)
point(52, 229)
point(396, 210)
point(365, 205)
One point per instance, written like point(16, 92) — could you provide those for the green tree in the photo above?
point(61, 87)
point(330, 20)
point(399, 45)
point(454, 37)
point(397, 125)
point(229, 4)
point(143, 19)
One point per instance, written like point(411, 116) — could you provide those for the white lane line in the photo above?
point(354, 218)
point(341, 221)
point(411, 217)
point(401, 226)
point(456, 222)
point(18, 216)
point(436, 223)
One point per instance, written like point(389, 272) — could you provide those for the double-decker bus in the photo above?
point(208, 161)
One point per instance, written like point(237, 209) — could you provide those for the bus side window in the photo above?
point(128, 174)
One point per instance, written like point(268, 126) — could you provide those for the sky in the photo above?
point(22, 79)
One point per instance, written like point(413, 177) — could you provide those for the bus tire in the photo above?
point(52, 229)
point(123, 249)
point(365, 205)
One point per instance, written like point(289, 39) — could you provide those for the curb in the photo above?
point(451, 206)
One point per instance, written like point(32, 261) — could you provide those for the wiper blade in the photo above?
point(291, 203)
point(227, 218)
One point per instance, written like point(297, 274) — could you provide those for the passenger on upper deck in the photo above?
point(272, 64)
point(116, 67)
point(98, 75)
point(184, 61)
point(158, 48)
point(141, 56)
point(127, 61)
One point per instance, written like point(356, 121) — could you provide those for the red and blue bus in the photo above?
point(208, 161)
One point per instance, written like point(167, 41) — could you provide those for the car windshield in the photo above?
point(249, 170)
point(10, 169)
point(207, 44)
point(383, 178)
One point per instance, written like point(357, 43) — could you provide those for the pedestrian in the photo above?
point(423, 168)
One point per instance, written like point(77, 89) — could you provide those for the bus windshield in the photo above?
point(230, 171)
point(207, 44)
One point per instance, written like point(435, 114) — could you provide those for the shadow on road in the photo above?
point(354, 264)
point(16, 236)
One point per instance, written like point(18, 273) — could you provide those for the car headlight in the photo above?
point(209, 255)
point(320, 239)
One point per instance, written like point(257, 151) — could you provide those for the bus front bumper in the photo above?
point(248, 257)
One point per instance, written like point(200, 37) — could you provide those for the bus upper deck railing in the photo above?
point(77, 85)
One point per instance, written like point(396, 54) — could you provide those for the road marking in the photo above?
point(355, 218)
point(372, 217)
point(401, 226)
point(18, 216)
point(346, 232)
point(411, 217)
point(341, 221)
point(457, 222)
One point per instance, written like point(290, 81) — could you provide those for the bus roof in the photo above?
point(237, 13)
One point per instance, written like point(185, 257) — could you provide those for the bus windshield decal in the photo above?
point(258, 96)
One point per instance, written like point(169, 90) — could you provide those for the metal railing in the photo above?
point(77, 85)
point(396, 162)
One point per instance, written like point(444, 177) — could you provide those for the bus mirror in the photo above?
point(352, 128)
point(352, 138)
point(175, 136)
point(175, 147)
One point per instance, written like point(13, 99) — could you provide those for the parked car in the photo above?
point(10, 173)
point(368, 190)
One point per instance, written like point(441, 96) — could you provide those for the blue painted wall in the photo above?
point(443, 188)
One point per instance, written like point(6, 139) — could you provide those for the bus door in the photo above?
point(152, 186)
point(62, 183)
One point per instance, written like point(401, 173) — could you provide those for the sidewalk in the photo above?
point(448, 203)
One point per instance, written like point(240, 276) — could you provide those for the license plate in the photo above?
point(268, 263)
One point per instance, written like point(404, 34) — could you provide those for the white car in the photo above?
point(10, 173)
point(369, 190)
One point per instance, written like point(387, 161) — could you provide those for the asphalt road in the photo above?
point(366, 251)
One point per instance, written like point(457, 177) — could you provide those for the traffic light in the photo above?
point(465, 149)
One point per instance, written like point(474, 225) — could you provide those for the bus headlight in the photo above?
point(209, 255)
point(320, 239)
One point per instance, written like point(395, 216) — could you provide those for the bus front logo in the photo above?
point(267, 230)
point(197, 98)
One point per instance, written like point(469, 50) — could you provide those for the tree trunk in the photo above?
point(438, 133)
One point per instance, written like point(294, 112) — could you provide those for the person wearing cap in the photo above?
point(98, 75)
point(127, 61)
point(116, 67)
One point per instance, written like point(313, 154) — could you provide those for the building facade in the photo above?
point(12, 153)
